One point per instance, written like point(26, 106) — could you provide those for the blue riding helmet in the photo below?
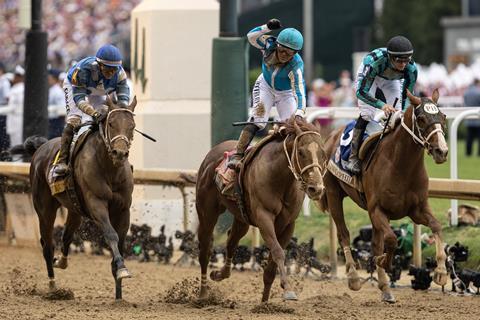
point(109, 55)
point(291, 38)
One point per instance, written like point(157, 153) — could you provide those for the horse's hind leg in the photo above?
point(424, 216)
point(271, 268)
point(236, 232)
point(72, 224)
point(207, 219)
point(46, 221)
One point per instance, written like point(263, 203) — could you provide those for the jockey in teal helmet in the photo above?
point(86, 85)
point(281, 83)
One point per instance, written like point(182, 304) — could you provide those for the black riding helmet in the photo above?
point(399, 46)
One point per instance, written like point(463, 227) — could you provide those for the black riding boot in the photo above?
point(245, 138)
point(61, 166)
point(354, 164)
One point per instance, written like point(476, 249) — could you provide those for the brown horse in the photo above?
point(395, 186)
point(103, 183)
point(273, 182)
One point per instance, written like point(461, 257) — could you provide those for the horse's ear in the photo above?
point(132, 105)
point(413, 99)
point(110, 104)
point(435, 95)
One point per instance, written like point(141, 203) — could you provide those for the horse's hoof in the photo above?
point(388, 297)
point(51, 285)
point(123, 274)
point(217, 275)
point(440, 276)
point(290, 295)
point(60, 262)
point(203, 293)
point(354, 284)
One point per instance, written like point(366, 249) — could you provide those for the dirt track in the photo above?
point(23, 288)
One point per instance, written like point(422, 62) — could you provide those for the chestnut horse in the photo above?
point(103, 183)
point(273, 183)
point(395, 186)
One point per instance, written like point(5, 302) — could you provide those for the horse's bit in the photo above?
point(294, 156)
point(106, 137)
point(420, 139)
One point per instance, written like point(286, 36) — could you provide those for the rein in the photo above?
point(294, 158)
point(106, 135)
point(420, 139)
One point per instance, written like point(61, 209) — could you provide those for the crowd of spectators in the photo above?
point(76, 28)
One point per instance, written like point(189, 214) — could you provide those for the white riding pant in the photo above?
point(265, 97)
point(391, 89)
point(97, 101)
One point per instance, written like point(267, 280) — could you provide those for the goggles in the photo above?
point(285, 50)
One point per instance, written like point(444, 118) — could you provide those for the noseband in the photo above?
point(294, 158)
point(420, 139)
point(106, 136)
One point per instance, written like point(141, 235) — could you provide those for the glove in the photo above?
point(274, 24)
point(99, 116)
point(299, 114)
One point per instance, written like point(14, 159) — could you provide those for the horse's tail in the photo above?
point(29, 147)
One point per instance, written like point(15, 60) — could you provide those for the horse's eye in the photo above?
point(421, 120)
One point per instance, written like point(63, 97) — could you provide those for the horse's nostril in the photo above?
point(114, 152)
point(311, 190)
point(126, 155)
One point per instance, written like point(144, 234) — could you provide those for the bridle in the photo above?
point(420, 139)
point(106, 135)
point(293, 158)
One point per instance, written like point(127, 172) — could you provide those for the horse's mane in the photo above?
point(294, 123)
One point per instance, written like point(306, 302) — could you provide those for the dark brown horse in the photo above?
point(395, 186)
point(103, 183)
point(274, 183)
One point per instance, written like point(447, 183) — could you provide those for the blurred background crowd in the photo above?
point(77, 28)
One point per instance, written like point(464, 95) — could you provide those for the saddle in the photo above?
point(336, 164)
point(230, 183)
point(66, 183)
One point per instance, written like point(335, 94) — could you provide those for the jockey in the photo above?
point(386, 72)
point(86, 86)
point(280, 84)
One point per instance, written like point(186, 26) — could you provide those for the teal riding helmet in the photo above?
point(291, 38)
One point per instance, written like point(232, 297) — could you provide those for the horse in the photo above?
point(274, 185)
point(103, 184)
point(394, 186)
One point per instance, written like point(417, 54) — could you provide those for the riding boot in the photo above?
point(354, 164)
point(61, 166)
point(245, 138)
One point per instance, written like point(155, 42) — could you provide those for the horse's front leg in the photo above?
point(265, 222)
point(121, 226)
point(99, 210)
point(425, 217)
point(383, 238)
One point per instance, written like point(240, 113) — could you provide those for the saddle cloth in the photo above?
point(339, 160)
point(59, 183)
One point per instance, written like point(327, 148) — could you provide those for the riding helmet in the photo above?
point(399, 46)
point(290, 38)
point(109, 55)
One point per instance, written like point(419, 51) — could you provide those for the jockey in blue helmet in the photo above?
point(86, 86)
point(280, 84)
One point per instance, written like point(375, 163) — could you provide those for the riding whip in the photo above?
point(244, 123)
point(146, 135)
point(381, 137)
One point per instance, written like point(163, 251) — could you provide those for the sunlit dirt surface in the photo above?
point(86, 291)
